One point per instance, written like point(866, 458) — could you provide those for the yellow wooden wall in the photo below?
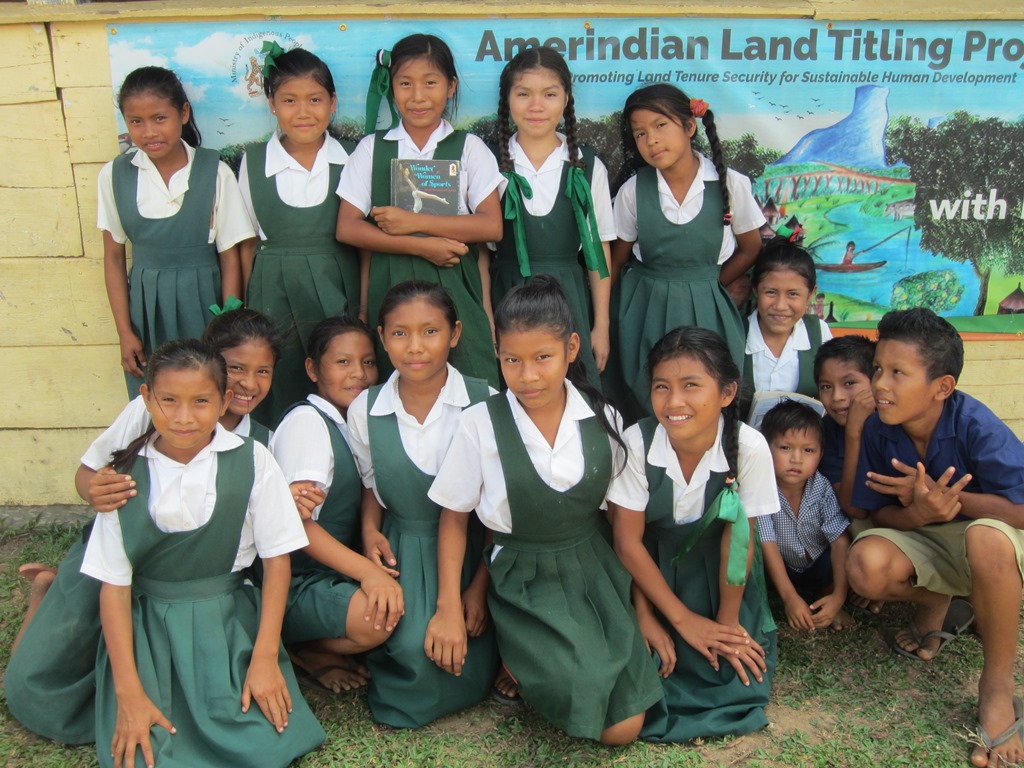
point(60, 373)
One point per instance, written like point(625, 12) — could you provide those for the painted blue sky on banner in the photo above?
point(860, 122)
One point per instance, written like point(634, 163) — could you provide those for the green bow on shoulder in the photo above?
point(518, 188)
point(380, 88)
point(578, 191)
point(272, 51)
point(728, 508)
point(233, 302)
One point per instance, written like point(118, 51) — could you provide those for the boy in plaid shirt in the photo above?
point(805, 542)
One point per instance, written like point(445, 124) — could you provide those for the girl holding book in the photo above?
point(419, 74)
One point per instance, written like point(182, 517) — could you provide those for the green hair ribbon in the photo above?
point(518, 188)
point(233, 302)
point(578, 191)
point(271, 50)
point(380, 88)
point(728, 508)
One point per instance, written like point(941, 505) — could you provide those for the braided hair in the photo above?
point(709, 350)
point(528, 59)
point(668, 100)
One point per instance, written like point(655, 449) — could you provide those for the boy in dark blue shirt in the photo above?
point(943, 479)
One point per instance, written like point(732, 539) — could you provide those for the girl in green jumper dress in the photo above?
point(298, 273)
point(187, 645)
point(400, 432)
point(339, 603)
point(782, 336)
point(556, 199)
point(683, 512)
point(182, 211)
point(559, 597)
point(420, 73)
point(688, 227)
point(50, 679)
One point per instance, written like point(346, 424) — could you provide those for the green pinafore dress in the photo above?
point(805, 385)
point(175, 273)
point(50, 681)
point(194, 625)
point(301, 275)
point(677, 284)
point(474, 356)
point(560, 598)
point(700, 702)
point(554, 248)
point(406, 688)
point(319, 596)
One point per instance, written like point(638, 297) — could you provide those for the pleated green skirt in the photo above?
point(50, 682)
point(568, 634)
point(193, 644)
point(297, 289)
point(700, 702)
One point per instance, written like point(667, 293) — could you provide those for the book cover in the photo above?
point(426, 186)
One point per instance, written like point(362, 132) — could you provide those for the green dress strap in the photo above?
point(301, 275)
point(543, 517)
point(805, 357)
point(259, 432)
point(181, 240)
point(160, 556)
point(339, 514)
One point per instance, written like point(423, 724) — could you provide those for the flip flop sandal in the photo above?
point(503, 698)
point(959, 618)
point(989, 742)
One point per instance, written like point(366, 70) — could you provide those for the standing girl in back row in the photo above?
point(421, 72)
point(688, 227)
point(181, 209)
point(299, 273)
point(556, 197)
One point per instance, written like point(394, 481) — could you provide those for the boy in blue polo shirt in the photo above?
point(943, 479)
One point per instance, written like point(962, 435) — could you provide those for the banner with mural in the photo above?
point(897, 146)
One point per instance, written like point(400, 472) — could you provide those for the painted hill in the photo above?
point(858, 140)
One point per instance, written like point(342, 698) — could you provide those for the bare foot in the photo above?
point(871, 606)
point(913, 640)
point(841, 621)
point(30, 571)
point(1000, 719)
point(331, 672)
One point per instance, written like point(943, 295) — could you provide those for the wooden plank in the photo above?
point(85, 188)
point(39, 222)
point(1007, 402)
point(34, 146)
point(27, 69)
point(91, 125)
point(60, 387)
point(46, 460)
point(54, 303)
point(80, 52)
point(993, 373)
point(1010, 349)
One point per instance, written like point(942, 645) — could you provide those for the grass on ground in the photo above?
point(842, 700)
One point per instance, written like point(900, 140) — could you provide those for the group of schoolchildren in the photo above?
point(612, 578)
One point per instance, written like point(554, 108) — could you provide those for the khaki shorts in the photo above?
point(939, 553)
